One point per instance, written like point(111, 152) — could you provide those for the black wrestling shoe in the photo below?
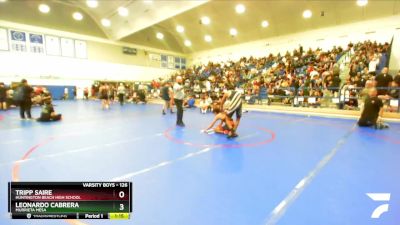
point(234, 135)
point(180, 124)
point(163, 113)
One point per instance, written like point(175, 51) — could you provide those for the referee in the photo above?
point(179, 95)
point(232, 104)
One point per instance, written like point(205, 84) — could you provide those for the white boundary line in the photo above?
point(81, 149)
point(281, 208)
point(159, 165)
point(169, 162)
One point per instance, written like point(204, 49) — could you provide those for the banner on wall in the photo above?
point(155, 57)
point(80, 49)
point(3, 39)
point(53, 45)
point(67, 47)
point(36, 43)
point(18, 41)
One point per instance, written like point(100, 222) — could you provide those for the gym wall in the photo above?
point(105, 61)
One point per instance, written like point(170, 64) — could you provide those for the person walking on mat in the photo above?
point(166, 93)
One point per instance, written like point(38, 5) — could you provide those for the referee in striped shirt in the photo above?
point(232, 104)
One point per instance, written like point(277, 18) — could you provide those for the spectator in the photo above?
point(204, 104)
point(86, 93)
point(197, 88)
point(352, 103)
point(397, 78)
point(394, 90)
point(3, 97)
point(66, 95)
point(10, 97)
point(190, 103)
point(335, 84)
point(121, 93)
point(373, 63)
point(382, 81)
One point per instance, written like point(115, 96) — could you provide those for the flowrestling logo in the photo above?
point(380, 197)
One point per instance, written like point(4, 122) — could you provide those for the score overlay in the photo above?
point(70, 200)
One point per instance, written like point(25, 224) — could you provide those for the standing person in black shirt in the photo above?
point(334, 87)
point(383, 80)
point(3, 97)
point(121, 93)
point(26, 100)
point(166, 93)
point(373, 111)
point(179, 95)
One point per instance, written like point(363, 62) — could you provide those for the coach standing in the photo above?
point(372, 112)
point(179, 95)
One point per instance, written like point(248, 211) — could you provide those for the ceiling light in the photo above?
point(264, 23)
point(188, 43)
point(122, 11)
point(3, 1)
point(106, 22)
point(77, 16)
point(240, 8)
point(205, 20)
point(92, 3)
point(362, 2)
point(160, 35)
point(180, 29)
point(233, 32)
point(208, 38)
point(44, 8)
point(148, 1)
point(307, 14)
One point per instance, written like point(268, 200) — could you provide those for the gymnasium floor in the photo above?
point(282, 169)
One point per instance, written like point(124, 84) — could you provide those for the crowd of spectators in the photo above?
point(7, 98)
point(301, 72)
point(309, 74)
point(368, 69)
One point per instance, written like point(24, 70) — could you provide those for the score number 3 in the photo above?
point(121, 194)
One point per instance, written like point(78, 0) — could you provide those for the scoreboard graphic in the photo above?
point(70, 200)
